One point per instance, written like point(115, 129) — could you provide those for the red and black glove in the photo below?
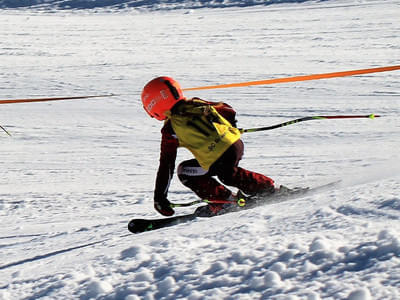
point(164, 207)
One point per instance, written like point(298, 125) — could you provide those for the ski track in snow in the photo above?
point(75, 172)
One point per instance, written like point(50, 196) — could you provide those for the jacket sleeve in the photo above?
point(168, 151)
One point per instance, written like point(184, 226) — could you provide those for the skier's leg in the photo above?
point(231, 174)
point(247, 181)
point(192, 175)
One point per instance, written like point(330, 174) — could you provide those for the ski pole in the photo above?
point(242, 130)
point(240, 202)
point(5, 130)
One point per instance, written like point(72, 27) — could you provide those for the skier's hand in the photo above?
point(164, 207)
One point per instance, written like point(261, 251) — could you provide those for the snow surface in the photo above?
point(139, 4)
point(75, 172)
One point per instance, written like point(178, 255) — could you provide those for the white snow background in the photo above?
point(75, 172)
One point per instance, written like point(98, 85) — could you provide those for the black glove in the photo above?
point(164, 207)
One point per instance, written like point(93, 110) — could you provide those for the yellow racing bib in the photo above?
point(203, 131)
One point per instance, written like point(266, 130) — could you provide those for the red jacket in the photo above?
point(169, 147)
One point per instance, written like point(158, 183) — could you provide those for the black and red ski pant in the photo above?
point(226, 169)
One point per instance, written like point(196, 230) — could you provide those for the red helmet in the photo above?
point(160, 95)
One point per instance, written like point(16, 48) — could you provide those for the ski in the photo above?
point(144, 225)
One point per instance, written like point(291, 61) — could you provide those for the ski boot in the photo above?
point(209, 210)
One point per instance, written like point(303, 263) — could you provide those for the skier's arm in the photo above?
point(169, 145)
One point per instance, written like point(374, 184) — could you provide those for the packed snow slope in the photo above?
point(75, 172)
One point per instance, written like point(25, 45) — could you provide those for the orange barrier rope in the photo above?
point(51, 99)
point(229, 85)
point(297, 78)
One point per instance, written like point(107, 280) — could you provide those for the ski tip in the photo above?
point(139, 225)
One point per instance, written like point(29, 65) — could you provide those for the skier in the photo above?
point(208, 130)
